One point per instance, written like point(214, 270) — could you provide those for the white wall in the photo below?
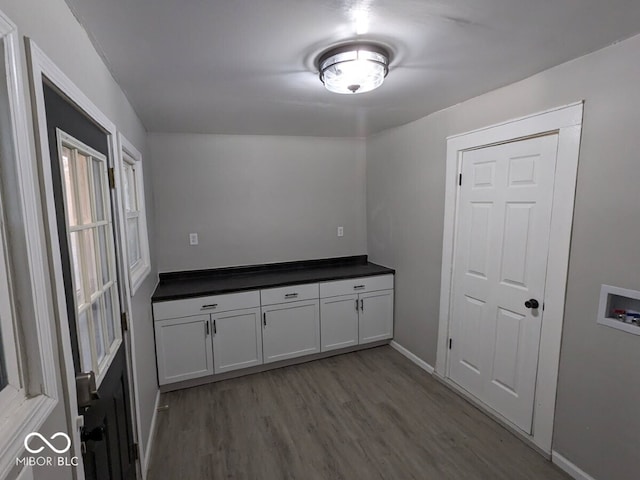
point(597, 420)
point(256, 199)
point(56, 31)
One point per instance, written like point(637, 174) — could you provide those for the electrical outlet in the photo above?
point(193, 239)
point(341, 231)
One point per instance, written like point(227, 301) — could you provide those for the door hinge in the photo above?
point(459, 179)
point(135, 451)
point(450, 343)
point(112, 178)
point(124, 321)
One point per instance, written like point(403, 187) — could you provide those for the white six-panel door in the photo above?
point(502, 244)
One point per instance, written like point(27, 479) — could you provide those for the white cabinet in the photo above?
point(202, 336)
point(237, 339)
point(197, 337)
point(339, 322)
point(183, 348)
point(376, 316)
point(290, 330)
point(356, 311)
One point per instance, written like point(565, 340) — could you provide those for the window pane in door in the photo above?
point(90, 261)
point(108, 313)
point(104, 255)
point(97, 189)
point(76, 260)
point(133, 239)
point(82, 169)
point(72, 215)
point(96, 313)
point(85, 342)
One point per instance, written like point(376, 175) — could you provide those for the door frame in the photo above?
point(41, 68)
point(566, 122)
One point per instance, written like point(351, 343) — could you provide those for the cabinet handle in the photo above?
point(358, 287)
point(215, 330)
point(362, 304)
point(206, 328)
point(356, 304)
point(264, 319)
point(209, 307)
point(290, 295)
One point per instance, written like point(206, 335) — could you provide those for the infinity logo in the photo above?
point(54, 436)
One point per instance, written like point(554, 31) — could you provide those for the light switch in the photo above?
point(193, 239)
point(341, 231)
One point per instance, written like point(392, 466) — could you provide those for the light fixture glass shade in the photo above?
point(353, 68)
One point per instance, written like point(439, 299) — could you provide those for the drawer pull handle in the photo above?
point(290, 295)
point(209, 307)
point(358, 287)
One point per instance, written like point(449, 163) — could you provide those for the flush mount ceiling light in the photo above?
point(353, 68)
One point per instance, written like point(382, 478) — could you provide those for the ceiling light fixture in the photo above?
point(353, 68)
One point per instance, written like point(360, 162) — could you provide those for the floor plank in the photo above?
point(365, 415)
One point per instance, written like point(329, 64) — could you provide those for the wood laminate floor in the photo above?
point(366, 415)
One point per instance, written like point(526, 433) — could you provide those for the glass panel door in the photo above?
point(92, 252)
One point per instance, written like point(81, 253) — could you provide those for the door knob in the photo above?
point(533, 304)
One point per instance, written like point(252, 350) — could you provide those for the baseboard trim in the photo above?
point(411, 356)
point(152, 436)
point(569, 467)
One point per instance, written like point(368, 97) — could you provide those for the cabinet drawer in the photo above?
point(293, 293)
point(356, 285)
point(210, 304)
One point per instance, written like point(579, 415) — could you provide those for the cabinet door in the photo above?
point(376, 316)
point(290, 330)
point(237, 340)
point(183, 348)
point(339, 322)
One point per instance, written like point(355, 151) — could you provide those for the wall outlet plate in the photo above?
point(193, 239)
point(341, 231)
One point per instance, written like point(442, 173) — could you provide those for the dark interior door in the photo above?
point(84, 218)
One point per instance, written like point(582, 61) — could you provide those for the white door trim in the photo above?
point(566, 121)
point(42, 67)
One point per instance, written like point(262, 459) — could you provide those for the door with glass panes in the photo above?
point(83, 200)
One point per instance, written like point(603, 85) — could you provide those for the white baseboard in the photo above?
point(152, 436)
point(414, 358)
point(569, 467)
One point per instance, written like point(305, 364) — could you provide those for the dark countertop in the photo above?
point(178, 285)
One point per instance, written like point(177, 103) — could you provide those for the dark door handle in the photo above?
point(533, 304)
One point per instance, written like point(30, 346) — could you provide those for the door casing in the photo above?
point(566, 121)
point(41, 68)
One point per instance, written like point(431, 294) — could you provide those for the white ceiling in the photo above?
point(247, 66)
